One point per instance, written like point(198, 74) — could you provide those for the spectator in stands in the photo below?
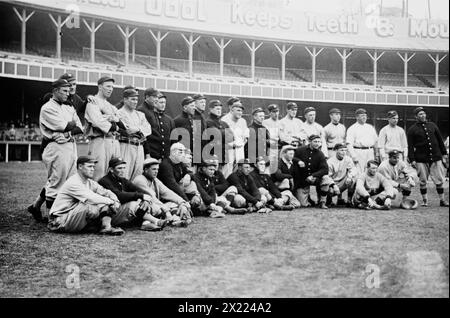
point(427, 153)
point(342, 171)
point(312, 128)
point(238, 126)
point(291, 128)
point(219, 131)
point(361, 140)
point(11, 133)
point(133, 137)
point(392, 137)
point(258, 143)
point(184, 124)
point(373, 190)
point(272, 124)
point(154, 106)
point(313, 172)
point(334, 131)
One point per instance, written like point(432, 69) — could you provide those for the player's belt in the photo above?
point(354, 147)
point(104, 136)
point(135, 142)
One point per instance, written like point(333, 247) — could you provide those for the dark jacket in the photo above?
point(125, 190)
point(185, 121)
point(283, 172)
point(220, 182)
point(215, 124)
point(263, 180)
point(158, 143)
point(79, 104)
point(315, 164)
point(256, 145)
point(170, 174)
point(425, 143)
point(205, 185)
point(246, 186)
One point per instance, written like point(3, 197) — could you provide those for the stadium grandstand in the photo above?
point(263, 51)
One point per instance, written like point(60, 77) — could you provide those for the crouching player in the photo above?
point(284, 200)
point(164, 202)
point(373, 190)
point(343, 172)
point(401, 178)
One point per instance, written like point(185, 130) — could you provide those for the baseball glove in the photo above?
point(409, 204)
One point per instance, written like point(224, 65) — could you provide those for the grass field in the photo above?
point(302, 253)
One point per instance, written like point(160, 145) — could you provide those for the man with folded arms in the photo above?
point(247, 188)
point(311, 127)
point(313, 172)
point(373, 190)
point(286, 176)
point(361, 140)
point(334, 131)
point(259, 139)
point(291, 127)
point(280, 200)
point(343, 172)
point(82, 204)
point(164, 201)
point(102, 127)
point(392, 137)
point(138, 203)
point(132, 138)
point(272, 124)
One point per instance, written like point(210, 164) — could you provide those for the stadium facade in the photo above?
point(262, 51)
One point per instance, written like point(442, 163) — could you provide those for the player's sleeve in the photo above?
point(94, 116)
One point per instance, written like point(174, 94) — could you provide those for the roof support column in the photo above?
point(344, 56)
point(283, 52)
point(222, 45)
point(375, 57)
point(314, 53)
point(190, 43)
point(405, 60)
point(92, 29)
point(158, 38)
point(437, 61)
point(23, 18)
point(253, 48)
point(126, 34)
point(58, 25)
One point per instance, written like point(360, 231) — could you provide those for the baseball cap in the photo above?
point(339, 146)
point(214, 103)
point(130, 93)
point(60, 83)
point(208, 163)
point(286, 148)
point(115, 161)
point(360, 111)
point(187, 100)
point(334, 111)
point(177, 146)
point(291, 105)
point(312, 137)
point(198, 97)
point(394, 153)
point(392, 113)
point(258, 110)
point(273, 108)
point(85, 159)
point(232, 100)
point(149, 162)
point(418, 110)
point(68, 77)
point(309, 109)
point(262, 158)
point(244, 161)
point(105, 79)
point(151, 92)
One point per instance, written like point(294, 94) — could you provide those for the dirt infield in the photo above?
point(302, 253)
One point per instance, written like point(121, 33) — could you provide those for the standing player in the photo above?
point(426, 153)
point(312, 128)
point(334, 132)
point(291, 128)
point(134, 136)
point(361, 140)
point(272, 124)
point(102, 127)
point(392, 137)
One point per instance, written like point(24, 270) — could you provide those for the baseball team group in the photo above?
point(149, 170)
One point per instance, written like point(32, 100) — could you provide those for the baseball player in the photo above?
point(238, 127)
point(373, 190)
point(272, 124)
point(291, 128)
point(102, 127)
point(399, 174)
point(82, 203)
point(58, 123)
point(311, 127)
point(134, 136)
point(426, 153)
point(392, 137)
point(259, 138)
point(361, 140)
point(334, 132)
